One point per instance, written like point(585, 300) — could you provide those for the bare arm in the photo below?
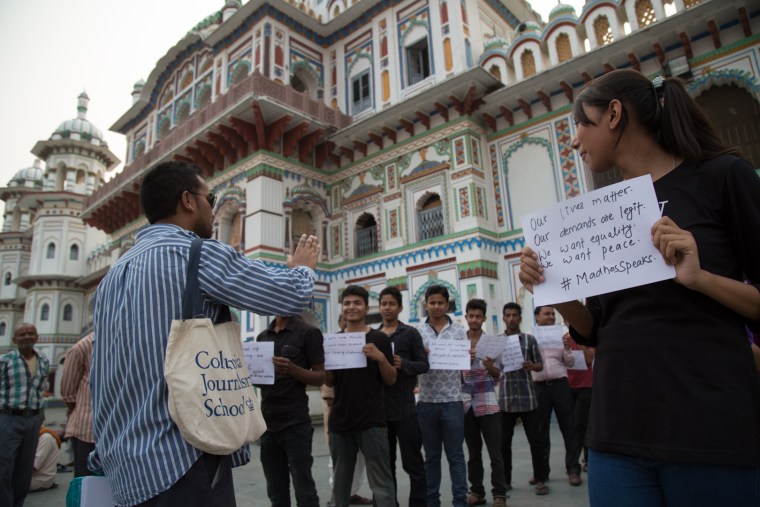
point(313, 377)
point(329, 378)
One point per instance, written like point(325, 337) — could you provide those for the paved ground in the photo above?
point(250, 485)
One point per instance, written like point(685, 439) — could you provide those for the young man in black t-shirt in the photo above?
point(357, 420)
point(286, 445)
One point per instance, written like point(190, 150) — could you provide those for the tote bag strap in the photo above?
point(192, 302)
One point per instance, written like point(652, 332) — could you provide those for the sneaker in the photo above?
point(541, 488)
point(499, 501)
point(475, 499)
point(359, 500)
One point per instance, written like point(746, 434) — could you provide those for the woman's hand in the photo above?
point(679, 249)
point(530, 269)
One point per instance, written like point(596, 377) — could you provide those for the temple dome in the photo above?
point(80, 127)
point(562, 10)
point(29, 177)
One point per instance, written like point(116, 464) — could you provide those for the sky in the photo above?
point(52, 50)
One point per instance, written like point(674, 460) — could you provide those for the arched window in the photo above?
point(430, 217)
point(68, 313)
point(603, 31)
point(528, 63)
point(2, 328)
point(45, 312)
point(564, 49)
point(7, 279)
point(366, 235)
point(691, 3)
point(74, 253)
point(495, 72)
point(645, 13)
point(51, 250)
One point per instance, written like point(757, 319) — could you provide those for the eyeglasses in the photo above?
point(210, 197)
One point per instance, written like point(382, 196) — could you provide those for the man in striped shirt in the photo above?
point(137, 443)
point(75, 391)
point(23, 379)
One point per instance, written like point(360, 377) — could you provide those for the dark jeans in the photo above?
point(82, 449)
point(555, 394)
point(373, 443)
point(581, 410)
point(285, 454)
point(530, 423)
point(442, 425)
point(407, 432)
point(18, 444)
point(489, 426)
point(624, 481)
point(208, 483)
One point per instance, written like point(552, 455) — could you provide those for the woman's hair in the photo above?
point(667, 111)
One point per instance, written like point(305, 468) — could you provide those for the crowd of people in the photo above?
point(674, 419)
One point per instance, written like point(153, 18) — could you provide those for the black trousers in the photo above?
point(82, 449)
point(555, 395)
point(530, 423)
point(208, 483)
point(407, 433)
point(582, 407)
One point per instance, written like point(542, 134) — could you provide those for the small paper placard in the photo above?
point(258, 357)
point(448, 354)
point(344, 351)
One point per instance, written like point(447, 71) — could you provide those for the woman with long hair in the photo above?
point(675, 418)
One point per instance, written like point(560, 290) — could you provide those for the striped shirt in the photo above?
point(75, 388)
point(516, 390)
point(137, 443)
point(19, 389)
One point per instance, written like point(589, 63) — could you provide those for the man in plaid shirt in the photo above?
point(517, 398)
point(23, 379)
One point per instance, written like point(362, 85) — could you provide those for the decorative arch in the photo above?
point(742, 78)
point(539, 141)
point(413, 23)
point(358, 56)
point(420, 295)
point(306, 67)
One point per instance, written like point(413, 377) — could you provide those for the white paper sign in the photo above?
point(490, 346)
point(447, 354)
point(549, 337)
point(597, 242)
point(580, 361)
point(258, 357)
point(344, 351)
point(512, 359)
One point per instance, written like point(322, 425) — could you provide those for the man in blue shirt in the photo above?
point(23, 379)
point(137, 443)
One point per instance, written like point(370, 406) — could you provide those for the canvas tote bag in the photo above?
point(211, 397)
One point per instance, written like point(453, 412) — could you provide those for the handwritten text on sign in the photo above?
point(513, 359)
point(598, 242)
point(258, 357)
point(549, 337)
point(447, 354)
point(344, 351)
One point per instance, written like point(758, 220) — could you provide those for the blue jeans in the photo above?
point(284, 454)
point(442, 424)
point(623, 481)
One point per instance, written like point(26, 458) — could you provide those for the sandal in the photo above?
point(499, 501)
point(541, 488)
point(475, 499)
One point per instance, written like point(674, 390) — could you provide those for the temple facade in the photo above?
point(409, 136)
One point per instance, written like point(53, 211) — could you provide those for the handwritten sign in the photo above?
point(549, 337)
point(490, 346)
point(512, 359)
point(447, 354)
point(344, 351)
point(596, 243)
point(580, 361)
point(258, 357)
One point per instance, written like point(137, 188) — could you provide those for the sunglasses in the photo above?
point(211, 197)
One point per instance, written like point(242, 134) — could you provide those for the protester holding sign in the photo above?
point(138, 444)
point(675, 416)
point(482, 417)
point(286, 445)
point(440, 408)
point(357, 420)
point(517, 399)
